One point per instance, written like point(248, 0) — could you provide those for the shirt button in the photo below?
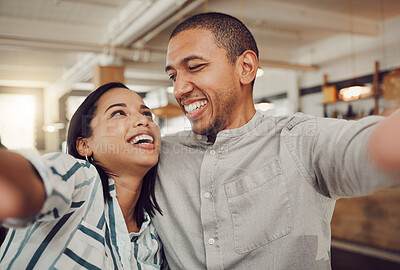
point(211, 241)
point(212, 152)
point(121, 243)
point(207, 195)
point(199, 136)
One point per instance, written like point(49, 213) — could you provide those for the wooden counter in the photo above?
point(372, 221)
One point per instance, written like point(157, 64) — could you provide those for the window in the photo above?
point(21, 117)
point(17, 120)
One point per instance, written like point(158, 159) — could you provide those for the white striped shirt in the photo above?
point(75, 228)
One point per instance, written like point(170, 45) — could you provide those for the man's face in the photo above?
point(206, 83)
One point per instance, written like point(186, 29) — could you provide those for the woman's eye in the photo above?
point(148, 114)
point(117, 113)
point(172, 77)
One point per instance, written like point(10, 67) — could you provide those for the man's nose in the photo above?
point(182, 86)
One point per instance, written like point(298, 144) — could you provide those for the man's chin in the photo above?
point(199, 131)
point(207, 131)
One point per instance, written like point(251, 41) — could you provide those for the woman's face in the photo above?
point(124, 137)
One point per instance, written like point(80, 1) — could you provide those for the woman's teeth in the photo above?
point(142, 139)
point(195, 106)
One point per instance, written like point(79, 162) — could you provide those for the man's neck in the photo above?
point(239, 121)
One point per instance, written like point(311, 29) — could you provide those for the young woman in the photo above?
point(90, 209)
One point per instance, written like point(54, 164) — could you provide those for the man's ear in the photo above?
point(248, 66)
point(82, 146)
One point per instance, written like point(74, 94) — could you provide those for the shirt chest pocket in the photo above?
point(260, 208)
point(86, 249)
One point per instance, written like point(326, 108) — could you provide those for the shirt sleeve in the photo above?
point(334, 154)
point(63, 177)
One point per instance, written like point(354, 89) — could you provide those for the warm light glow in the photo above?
point(170, 89)
point(260, 72)
point(17, 120)
point(73, 102)
point(49, 129)
point(27, 84)
point(264, 106)
point(53, 127)
point(353, 92)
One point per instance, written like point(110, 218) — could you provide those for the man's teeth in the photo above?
point(142, 139)
point(193, 107)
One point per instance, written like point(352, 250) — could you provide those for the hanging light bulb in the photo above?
point(354, 90)
point(264, 105)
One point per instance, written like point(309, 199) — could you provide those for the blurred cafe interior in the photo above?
point(327, 58)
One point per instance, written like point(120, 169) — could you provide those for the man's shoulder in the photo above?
point(181, 137)
point(286, 120)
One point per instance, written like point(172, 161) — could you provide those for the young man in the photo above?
point(249, 191)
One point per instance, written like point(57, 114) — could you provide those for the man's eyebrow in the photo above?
point(116, 105)
point(185, 60)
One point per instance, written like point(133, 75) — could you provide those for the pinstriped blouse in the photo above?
point(75, 228)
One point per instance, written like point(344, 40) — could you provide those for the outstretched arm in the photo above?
point(22, 193)
point(384, 145)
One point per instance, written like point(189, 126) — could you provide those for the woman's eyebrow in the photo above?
point(144, 107)
point(116, 105)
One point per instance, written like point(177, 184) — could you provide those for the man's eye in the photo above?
point(117, 113)
point(195, 67)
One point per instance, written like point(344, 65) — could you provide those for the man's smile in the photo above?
point(195, 106)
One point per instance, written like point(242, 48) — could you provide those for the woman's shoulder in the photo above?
point(63, 158)
point(64, 163)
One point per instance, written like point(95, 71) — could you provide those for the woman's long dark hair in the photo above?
point(80, 127)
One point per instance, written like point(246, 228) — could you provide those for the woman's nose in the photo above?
point(141, 121)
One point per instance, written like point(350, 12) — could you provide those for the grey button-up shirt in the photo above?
point(262, 196)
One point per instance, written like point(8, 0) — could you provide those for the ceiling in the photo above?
point(48, 43)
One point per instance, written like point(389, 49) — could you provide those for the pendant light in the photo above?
point(354, 89)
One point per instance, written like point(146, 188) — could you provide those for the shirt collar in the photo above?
point(111, 187)
point(145, 224)
point(229, 133)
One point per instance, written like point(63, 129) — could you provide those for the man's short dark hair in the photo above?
point(229, 32)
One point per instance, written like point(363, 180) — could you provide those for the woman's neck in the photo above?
point(128, 192)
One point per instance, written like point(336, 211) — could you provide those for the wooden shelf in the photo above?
point(354, 100)
point(376, 91)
